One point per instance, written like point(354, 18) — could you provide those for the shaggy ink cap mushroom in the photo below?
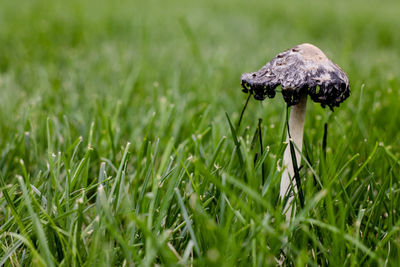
point(303, 69)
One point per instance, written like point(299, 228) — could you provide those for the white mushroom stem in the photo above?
point(296, 127)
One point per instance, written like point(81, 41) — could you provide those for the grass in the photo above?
point(115, 147)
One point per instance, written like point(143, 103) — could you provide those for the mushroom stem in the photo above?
point(296, 128)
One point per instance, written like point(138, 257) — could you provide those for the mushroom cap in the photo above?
point(303, 69)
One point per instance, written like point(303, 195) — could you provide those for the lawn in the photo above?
point(116, 145)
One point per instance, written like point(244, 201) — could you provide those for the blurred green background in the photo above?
point(73, 57)
point(169, 70)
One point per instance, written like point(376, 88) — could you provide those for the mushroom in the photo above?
point(300, 71)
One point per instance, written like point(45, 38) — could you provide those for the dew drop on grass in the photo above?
point(193, 201)
point(213, 255)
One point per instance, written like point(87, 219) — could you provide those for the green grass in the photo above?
point(115, 148)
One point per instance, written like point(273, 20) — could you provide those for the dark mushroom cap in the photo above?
point(303, 69)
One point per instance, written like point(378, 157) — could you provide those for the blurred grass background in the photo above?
point(167, 71)
point(78, 56)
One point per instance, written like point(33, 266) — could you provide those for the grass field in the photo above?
point(115, 147)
